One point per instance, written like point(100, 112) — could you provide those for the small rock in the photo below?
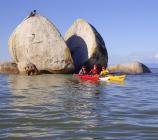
point(9, 68)
point(27, 68)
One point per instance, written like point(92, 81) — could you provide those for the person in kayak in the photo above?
point(104, 72)
point(94, 70)
point(83, 71)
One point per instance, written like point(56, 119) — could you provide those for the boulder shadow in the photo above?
point(79, 51)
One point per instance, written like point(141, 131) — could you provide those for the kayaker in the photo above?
point(104, 71)
point(94, 70)
point(83, 71)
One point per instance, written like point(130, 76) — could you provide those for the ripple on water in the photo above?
point(60, 107)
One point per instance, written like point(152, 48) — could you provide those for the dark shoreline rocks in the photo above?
point(27, 68)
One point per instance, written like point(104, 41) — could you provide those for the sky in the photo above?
point(128, 27)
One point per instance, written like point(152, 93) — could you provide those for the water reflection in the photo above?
point(36, 90)
point(46, 102)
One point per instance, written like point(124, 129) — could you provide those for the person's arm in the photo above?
point(90, 72)
point(80, 72)
point(101, 73)
point(98, 72)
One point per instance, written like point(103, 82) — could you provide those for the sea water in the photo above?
point(62, 107)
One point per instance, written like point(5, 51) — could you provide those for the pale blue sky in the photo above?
point(128, 27)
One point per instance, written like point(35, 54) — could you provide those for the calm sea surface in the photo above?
point(61, 107)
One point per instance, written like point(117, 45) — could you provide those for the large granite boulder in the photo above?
point(130, 68)
point(86, 44)
point(36, 40)
point(9, 68)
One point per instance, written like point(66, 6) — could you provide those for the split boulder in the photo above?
point(86, 44)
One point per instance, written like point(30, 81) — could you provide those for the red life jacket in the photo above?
point(94, 71)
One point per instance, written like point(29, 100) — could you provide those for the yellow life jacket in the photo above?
point(104, 72)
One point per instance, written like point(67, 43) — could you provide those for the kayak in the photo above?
point(118, 78)
point(87, 77)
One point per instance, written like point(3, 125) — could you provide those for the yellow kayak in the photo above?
point(118, 78)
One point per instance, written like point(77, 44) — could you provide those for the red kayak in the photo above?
point(87, 77)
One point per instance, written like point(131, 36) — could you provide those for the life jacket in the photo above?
point(94, 71)
point(104, 72)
